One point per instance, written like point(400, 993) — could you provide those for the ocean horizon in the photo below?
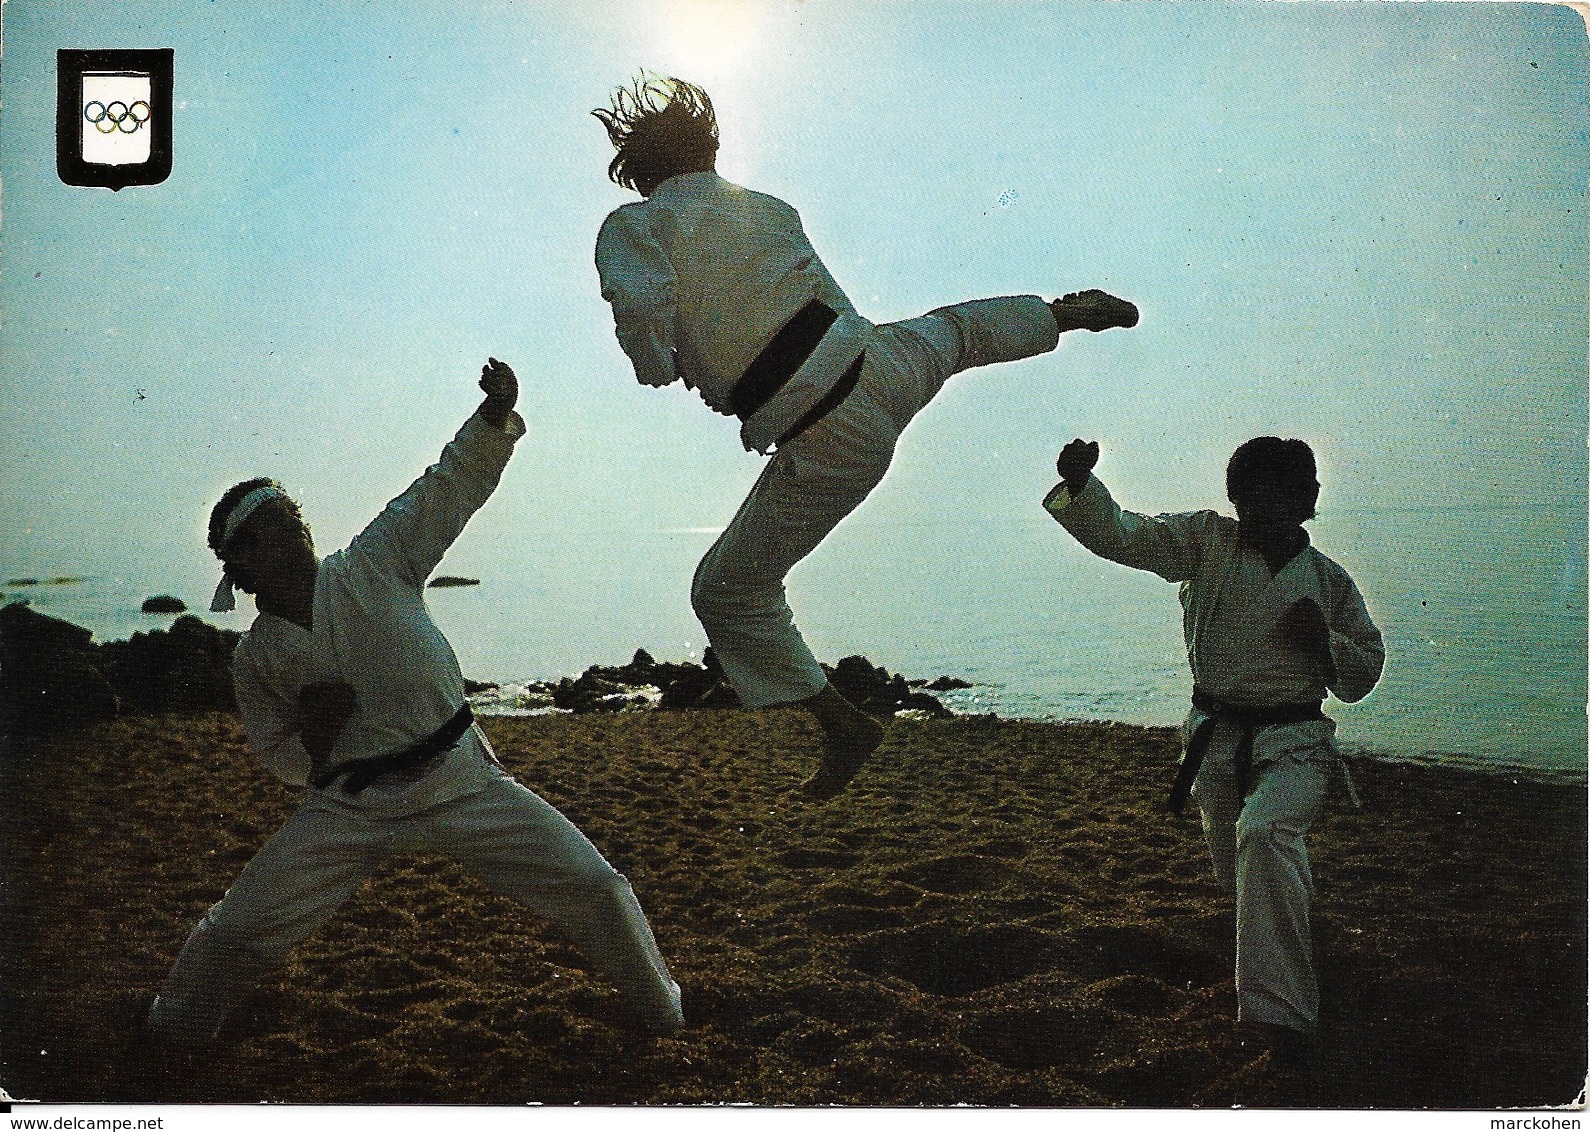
point(1486, 665)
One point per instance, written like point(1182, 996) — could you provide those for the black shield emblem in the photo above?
point(113, 117)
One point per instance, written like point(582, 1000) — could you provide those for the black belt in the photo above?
point(780, 358)
point(362, 772)
point(829, 402)
point(1251, 719)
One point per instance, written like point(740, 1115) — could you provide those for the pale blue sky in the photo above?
point(1359, 223)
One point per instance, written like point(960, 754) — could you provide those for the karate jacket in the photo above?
point(1232, 604)
point(373, 632)
point(701, 275)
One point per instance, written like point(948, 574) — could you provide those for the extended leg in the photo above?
point(291, 887)
point(1219, 805)
point(816, 480)
point(522, 847)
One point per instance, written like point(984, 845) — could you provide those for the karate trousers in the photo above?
point(1259, 857)
point(502, 833)
point(811, 483)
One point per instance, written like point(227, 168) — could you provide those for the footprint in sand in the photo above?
point(1139, 995)
point(955, 875)
point(848, 920)
point(804, 857)
point(948, 959)
point(1105, 951)
point(1037, 1037)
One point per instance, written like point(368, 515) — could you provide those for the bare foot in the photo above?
point(1093, 310)
point(850, 736)
point(839, 766)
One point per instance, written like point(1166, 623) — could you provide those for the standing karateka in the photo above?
point(717, 286)
point(347, 687)
point(1271, 624)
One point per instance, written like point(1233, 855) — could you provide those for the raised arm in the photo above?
point(638, 281)
point(412, 533)
point(1168, 545)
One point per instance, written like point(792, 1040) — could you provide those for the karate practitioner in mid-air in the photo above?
point(1271, 625)
point(348, 688)
point(718, 286)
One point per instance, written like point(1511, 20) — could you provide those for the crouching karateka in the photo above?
point(1271, 624)
point(347, 686)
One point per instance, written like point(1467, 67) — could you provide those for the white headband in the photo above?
point(225, 600)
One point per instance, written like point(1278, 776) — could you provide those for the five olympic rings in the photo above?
point(116, 116)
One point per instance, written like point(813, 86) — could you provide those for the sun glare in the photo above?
point(723, 45)
point(710, 41)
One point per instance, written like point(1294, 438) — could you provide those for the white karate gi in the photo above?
point(371, 630)
point(1231, 607)
point(700, 276)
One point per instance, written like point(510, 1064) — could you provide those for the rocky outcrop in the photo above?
point(187, 667)
point(646, 683)
point(875, 691)
point(643, 683)
point(164, 603)
point(54, 675)
point(51, 673)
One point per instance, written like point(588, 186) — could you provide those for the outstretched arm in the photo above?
point(1168, 545)
point(412, 533)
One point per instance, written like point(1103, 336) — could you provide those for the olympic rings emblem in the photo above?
point(116, 116)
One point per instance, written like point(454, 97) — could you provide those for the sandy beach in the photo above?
point(996, 913)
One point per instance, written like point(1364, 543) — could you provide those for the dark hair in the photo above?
point(233, 496)
point(1271, 461)
point(661, 127)
point(222, 509)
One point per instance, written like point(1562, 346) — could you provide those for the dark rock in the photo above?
point(697, 685)
point(446, 580)
point(52, 673)
point(185, 668)
point(590, 691)
point(685, 685)
point(720, 695)
point(642, 669)
point(616, 687)
point(921, 701)
point(947, 684)
point(473, 687)
point(875, 691)
point(164, 603)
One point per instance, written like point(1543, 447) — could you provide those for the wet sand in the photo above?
point(996, 913)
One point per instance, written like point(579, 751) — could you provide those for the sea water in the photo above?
point(1483, 611)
